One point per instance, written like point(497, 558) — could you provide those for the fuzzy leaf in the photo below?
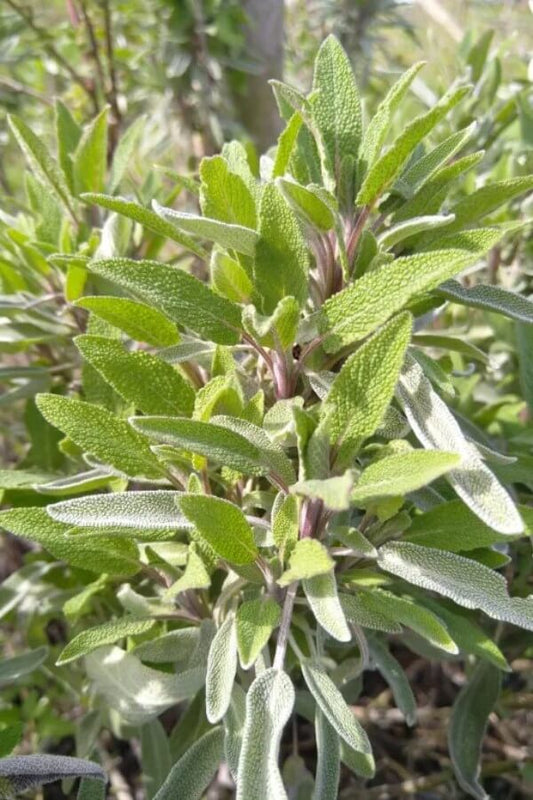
point(125, 151)
point(334, 492)
point(179, 295)
point(140, 322)
point(156, 759)
point(466, 582)
point(363, 389)
point(193, 773)
point(403, 230)
point(396, 678)
point(307, 559)
point(427, 165)
point(68, 134)
point(269, 705)
point(355, 312)
point(90, 157)
point(436, 428)
point(285, 523)
point(307, 204)
point(256, 620)
point(145, 217)
point(107, 633)
point(321, 593)
point(13, 668)
point(469, 720)
point(19, 773)
point(222, 525)
point(389, 165)
point(488, 198)
point(221, 669)
point(227, 235)
point(328, 759)
point(224, 195)
point(336, 109)
point(397, 475)
point(150, 384)
point(98, 432)
point(137, 692)
point(361, 613)
point(333, 706)
point(156, 510)
point(281, 257)
point(489, 298)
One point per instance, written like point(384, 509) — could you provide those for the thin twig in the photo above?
point(95, 52)
point(113, 92)
point(285, 626)
point(15, 86)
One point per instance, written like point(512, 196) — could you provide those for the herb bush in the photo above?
point(272, 477)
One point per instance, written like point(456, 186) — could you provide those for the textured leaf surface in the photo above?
point(397, 475)
point(221, 669)
point(436, 428)
point(328, 759)
point(137, 692)
point(308, 558)
point(403, 230)
point(269, 705)
point(156, 759)
point(140, 322)
point(145, 217)
point(470, 716)
point(25, 772)
point(334, 492)
point(177, 294)
point(152, 385)
point(466, 582)
point(490, 298)
point(333, 706)
point(192, 774)
point(271, 452)
point(256, 620)
point(424, 167)
point(223, 525)
point(307, 204)
point(108, 633)
point(90, 158)
point(362, 613)
point(396, 678)
point(99, 432)
point(154, 510)
point(227, 235)
point(355, 312)
point(488, 198)
point(321, 593)
point(224, 195)
point(364, 387)
point(337, 107)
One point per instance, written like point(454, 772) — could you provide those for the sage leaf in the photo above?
point(19, 773)
point(395, 677)
point(140, 322)
point(256, 620)
point(221, 669)
point(13, 668)
point(321, 593)
point(193, 773)
point(223, 526)
point(308, 558)
point(151, 510)
point(108, 633)
point(227, 235)
point(156, 759)
point(89, 161)
point(328, 759)
point(489, 298)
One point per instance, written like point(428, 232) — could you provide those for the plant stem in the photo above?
point(355, 234)
point(285, 626)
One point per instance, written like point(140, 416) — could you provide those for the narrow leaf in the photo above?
point(193, 773)
point(223, 525)
point(396, 678)
point(19, 773)
point(328, 759)
point(107, 633)
point(230, 236)
point(489, 298)
point(256, 620)
point(221, 669)
point(321, 593)
point(308, 558)
point(155, 510)
point(140, 322)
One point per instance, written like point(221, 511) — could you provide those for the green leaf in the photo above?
point(19, 773)
point(452, 526)
point(41, 161)
point(11, 737)
point(418, 173)
point(95, 552)
point(336, 109)
point(403, 230)
point(397, 475)
point(230, 236)
point(410, 614)
point(223, 526)
point(281, 257)
point(395, 677)
point(389, 165)
point(380, 124)
point(308, 558)
point(321, 593)
point(100, 433)
point(524, 345)
point(177, 294)
point(11, 669)
point(150, 384)
point(137, 692)
point(308, 204)
point(68, 134)
point(224, 195)
point(124, 152)
point(229, 278)
point(269, 705)
point(328, 759)
point(193, 773)
point(221, 670)
point(455, 343)
point(358, 611)
point(286, 144)
point(175, 647)
point(361, 392)
point(90, 158)
point(151, 510)
point(464, 581)
point(470, 716)
point(108, 633)
point(276, 331)
point(256, 620)
point(334, 492)
point(489, 298)
point(140, 322)
point(156, 759)
point(340, 717)
point(145, 217)
point(488, 198)
point(285, 520)
point(436, 428)
point(356, 311)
